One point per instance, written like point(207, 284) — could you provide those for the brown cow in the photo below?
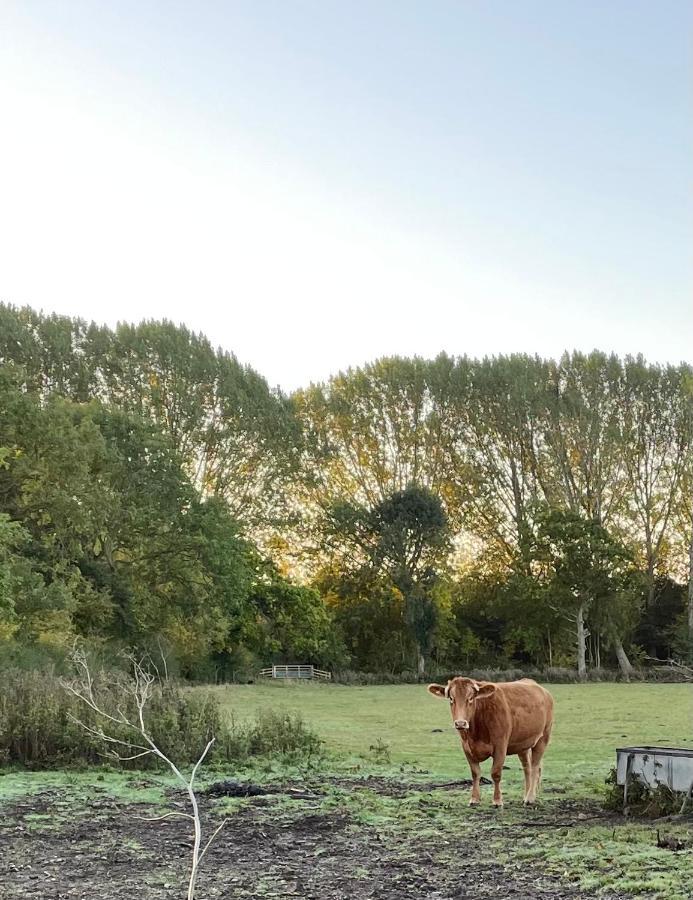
point(500, 719)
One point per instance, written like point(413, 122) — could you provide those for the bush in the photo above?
point(369, 678)
point(271, 733)
point(31, 657)
point(39, 725)
point(554, 675)
point(40, 721)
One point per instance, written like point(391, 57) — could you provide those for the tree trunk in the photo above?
point(623, 661)
point(550, 649)
point(650, 571)
point(650, 586)
point(581, 642)
point(598, 651)
point(420, 661)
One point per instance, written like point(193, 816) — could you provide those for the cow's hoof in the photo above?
point(498, 805)
point(474, 802)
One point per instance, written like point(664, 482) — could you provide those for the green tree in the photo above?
point(584, 571)
point(369, 615)
point(293, 624)
point(371, 432)
point(12, 536)
point(501, 473)
point(236, 438)
point(656, 446)
point(683, 509)
point(584, 436)
point(405, 539)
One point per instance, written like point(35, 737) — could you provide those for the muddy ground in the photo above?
point(54, 850)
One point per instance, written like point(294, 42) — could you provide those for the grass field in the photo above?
point(591, 721)
point(380, 822)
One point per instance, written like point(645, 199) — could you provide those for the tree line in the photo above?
point(408, 514)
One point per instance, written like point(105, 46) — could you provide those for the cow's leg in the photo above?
point(526, 760)
point(537, 754)
point(496, 773)
point(475, 799)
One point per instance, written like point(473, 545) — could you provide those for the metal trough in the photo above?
point(670, 766)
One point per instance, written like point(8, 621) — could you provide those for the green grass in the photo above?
point(625, 859)
point(591, 721)
point(126, 787)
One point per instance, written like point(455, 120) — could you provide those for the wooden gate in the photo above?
point(303, 672)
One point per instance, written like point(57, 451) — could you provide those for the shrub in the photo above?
point(368, 678)
point(552, 675)
point(40, 720)
point(39, 725)
point(271, 733)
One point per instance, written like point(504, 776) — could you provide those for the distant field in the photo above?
point(591, 721)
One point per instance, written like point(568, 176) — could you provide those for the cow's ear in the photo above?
point(485, 690)
point(438, 690)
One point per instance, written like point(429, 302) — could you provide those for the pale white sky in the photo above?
point(314, 185)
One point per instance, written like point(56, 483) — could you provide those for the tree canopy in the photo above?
point(406, 513)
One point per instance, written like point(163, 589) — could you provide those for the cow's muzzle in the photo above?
point(461, 724)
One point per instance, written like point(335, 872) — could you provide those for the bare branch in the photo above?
point(198, 763)
point(99, 733)
point(136, 756)
point(171, 815)
point(141, 690)
point(209, 842)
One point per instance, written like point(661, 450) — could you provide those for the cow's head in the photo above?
point(464, 695)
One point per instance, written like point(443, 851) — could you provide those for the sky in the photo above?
point(315, 184)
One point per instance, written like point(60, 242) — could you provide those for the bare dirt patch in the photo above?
point(54, 850)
